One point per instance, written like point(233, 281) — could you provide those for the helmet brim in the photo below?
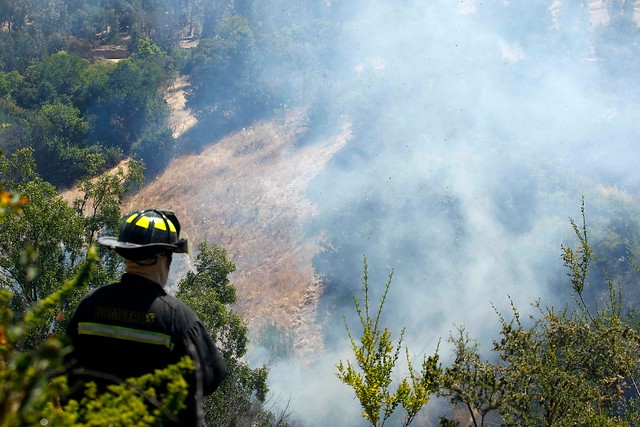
point(135, 251)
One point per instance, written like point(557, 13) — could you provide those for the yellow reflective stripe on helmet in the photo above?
point(160, 225)
point(122, 333)
point(132, 217)
point(143, 222)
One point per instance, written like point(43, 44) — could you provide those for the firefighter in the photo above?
point(132, 327)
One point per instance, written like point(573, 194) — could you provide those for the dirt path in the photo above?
point(181, 118)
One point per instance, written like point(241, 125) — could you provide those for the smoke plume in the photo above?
point(478, 127)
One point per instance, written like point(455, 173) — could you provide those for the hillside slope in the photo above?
point(246, 193)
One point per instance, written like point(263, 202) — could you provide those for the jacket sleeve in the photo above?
point(210, 364)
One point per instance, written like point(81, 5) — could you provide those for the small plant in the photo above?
point(578, 261)
point(376, 358)
point(25, 375)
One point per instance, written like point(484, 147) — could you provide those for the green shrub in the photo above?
point(277, 340)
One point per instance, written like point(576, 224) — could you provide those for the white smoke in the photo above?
point(479, 127)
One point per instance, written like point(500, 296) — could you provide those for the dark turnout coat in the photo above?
point(134, 327)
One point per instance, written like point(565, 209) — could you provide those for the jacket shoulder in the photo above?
point(182, 310)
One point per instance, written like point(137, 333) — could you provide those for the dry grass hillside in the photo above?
point(246, 193)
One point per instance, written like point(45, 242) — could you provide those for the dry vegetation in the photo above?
point(246, 192)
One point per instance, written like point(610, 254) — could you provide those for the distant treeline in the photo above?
point(82, 114)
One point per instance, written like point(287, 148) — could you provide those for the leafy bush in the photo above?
point(154, 149)
point(566, 367)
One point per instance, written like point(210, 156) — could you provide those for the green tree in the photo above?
point(154, 149)
point(15, 125)
point(49, 17)
point(68, 162)
point(572, 366)
point(276, 340)
point(12, 14)
point(470, 382)
point(580, 362)
point(208, 291)
point(60, 145)
point(562, 371)
point(101, 197)
point(65, 121)
point(376, 358)
point(40, 248)
point(127, 100)
point(98, 207)
point(10, 83)
point(159, 21)
point(58, 78)
point(86, 19)
point(222, 71)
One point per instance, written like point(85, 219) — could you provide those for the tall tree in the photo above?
point(59, 78)
point(12, 14)
point(222, 71)
point(208, 291)
point(39, 249)
point(470, 382)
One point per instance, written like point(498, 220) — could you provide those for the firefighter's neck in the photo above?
point(156, 270)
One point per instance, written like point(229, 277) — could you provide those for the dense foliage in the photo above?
point(577, 365)
point(44, 246)
point(209, 292)
point(81, 117)
point(82, 113)
point(45, 270)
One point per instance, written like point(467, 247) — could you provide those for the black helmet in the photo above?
point(146, 234)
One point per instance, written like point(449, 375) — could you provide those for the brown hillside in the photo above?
point(246, 192)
